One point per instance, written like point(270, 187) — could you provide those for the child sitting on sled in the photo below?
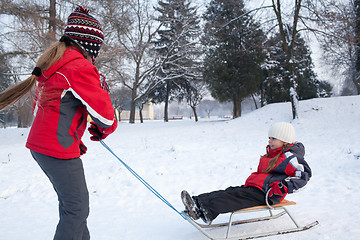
point(282, 170)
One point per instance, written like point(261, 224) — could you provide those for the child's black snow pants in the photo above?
point(229, 200)
point(68, 180)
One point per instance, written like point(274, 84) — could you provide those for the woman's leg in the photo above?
point(229, 200)
point(68, 180)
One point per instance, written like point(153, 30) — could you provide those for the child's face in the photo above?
point(275, 143)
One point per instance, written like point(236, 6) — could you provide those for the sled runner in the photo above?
point(277, 207)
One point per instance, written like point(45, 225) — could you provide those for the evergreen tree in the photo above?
point(276, 84)
point(177, 45)
point(234, 41)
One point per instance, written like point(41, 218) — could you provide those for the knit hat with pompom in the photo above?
point(85, 30)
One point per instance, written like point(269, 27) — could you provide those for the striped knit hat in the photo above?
point(85, 30)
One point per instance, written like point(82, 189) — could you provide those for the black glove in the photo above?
point(83, 148)
point(97, 135)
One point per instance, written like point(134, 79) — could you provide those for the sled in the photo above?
point(271, 209)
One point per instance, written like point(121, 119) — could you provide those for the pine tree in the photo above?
point(276, 84)
point(234, 41)
point(178, 46)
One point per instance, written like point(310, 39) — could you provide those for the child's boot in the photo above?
point(190, 205)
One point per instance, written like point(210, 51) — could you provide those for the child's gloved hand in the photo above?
point(83, 148)
point(96, 132)
point(278, 188)
point(99, 133)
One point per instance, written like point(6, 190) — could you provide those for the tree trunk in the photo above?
point(166, 108)
point(294, 96)
point(237, 106)
point(133, 105)
point(294, 99)
point(262, 100)
point(195, 114)
point(132, 111)
point(52, 20)
point(252, 95)
point(141, 115)
point(166, 113)
point(293, 91)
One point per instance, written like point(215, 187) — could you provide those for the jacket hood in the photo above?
point(70, 54)
point(298, 149)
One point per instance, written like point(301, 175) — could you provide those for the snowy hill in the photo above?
point(198, 157)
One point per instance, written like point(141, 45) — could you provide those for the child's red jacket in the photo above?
point(291, 169)
point(66, 93)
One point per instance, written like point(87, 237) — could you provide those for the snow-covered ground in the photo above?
point(199, 157)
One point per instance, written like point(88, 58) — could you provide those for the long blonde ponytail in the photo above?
point(15, 92)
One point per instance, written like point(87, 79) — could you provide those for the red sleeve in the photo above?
point(85, 85)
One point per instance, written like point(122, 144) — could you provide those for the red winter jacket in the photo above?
point(66, 93)
point(291, 169)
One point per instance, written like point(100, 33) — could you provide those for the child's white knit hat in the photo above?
point(283, 131)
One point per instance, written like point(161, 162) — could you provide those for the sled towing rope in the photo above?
point(230, 223)
point(146, 184)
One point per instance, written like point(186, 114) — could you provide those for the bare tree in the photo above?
point(120, 98)
point(338, 33)
point(291, 18)
point(132, 30)
point(208, 106)
point(29, 28)
point(195, 92)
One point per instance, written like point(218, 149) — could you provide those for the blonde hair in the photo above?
point(12, 94)
point(273, 161)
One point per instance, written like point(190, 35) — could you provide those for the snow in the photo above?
point(199, 157)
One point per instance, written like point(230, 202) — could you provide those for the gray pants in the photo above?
point(68, 180)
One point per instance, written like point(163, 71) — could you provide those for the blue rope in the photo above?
point(146, 184)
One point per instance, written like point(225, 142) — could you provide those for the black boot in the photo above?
point(191, 208)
